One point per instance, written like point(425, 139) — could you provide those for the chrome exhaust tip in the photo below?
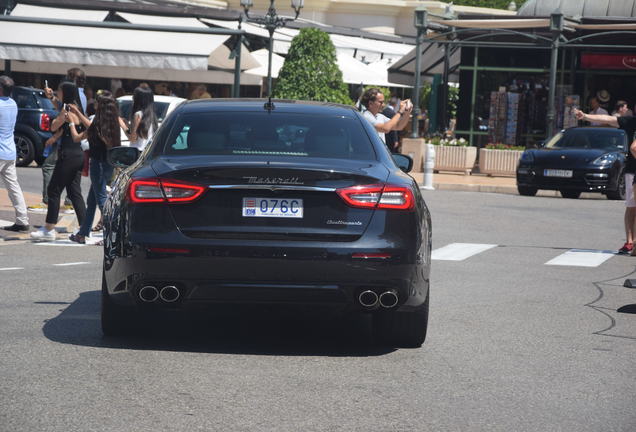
point(148, 294)
point(388, 299)
point(368, 298)
point(169, 294)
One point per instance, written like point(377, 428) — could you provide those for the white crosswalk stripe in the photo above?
point(581, 258)
point(459, 251)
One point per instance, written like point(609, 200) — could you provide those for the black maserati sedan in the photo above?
point(273, 205)
point(589, 159)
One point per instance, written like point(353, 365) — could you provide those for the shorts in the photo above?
point(629, 190)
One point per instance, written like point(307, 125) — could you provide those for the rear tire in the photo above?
point(116, 320)
point(401, 329)
point(25, 149)
point(527, 191)
point(570, 194)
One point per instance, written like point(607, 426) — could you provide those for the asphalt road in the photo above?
point(514, 344)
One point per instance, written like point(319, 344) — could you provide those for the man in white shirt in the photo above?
point(8, 116)
point(373, 100)
point(596, 109)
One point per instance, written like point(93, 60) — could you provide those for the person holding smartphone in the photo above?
point(68, 167)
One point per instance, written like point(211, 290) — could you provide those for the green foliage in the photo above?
point(501, 146)
point(310, 71)
point(495, 4)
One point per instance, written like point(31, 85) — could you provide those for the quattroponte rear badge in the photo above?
point(341, 222)
point(275, 180)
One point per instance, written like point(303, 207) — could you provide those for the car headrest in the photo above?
point(326, 143)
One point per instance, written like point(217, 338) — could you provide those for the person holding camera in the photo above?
point(67, 173)
point(373, 100)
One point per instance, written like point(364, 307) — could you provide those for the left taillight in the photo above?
point(45, 122)
point(378, 196)
point(143, 191)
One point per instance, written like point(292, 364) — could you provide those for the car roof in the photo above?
point(158, 98)
point(594, 128)
point(290, 106)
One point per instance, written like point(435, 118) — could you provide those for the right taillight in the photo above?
point(163, 191)
point(45, 122)
point(378, 196)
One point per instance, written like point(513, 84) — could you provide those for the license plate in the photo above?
point(557, 173)
point(270, 207)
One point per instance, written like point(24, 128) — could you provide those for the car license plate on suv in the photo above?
point(557, 173)
point(270, 207)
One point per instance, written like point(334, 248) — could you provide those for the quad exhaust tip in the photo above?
point(368, 298)
point(148, 293)
point(169, 294)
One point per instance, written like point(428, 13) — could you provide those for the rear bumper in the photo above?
point(325, 276)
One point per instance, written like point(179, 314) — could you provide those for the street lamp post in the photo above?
point(420, 25)
point(271, 21)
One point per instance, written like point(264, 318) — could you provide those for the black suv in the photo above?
point(33, 126)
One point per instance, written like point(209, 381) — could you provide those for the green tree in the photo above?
point(495, 4)
point(310, 71)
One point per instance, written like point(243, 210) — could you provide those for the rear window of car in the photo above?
point(31, 99)
point(161, 108)
point(276, 133)
point(610, 139)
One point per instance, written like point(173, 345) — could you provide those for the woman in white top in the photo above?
point(143, 121)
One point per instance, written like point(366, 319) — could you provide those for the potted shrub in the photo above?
point(454, 155)
point(499, 159)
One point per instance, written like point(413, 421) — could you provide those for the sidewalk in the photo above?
point(66, 225)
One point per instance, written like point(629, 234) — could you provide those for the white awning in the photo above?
point(403, 71)
point(107, 47)
point(161, 20)
point(356, 72)
point(261, 56)
point(282, 36)
point(25, 10)
point(203, 76)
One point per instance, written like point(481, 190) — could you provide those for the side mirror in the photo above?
point(122, 157)
point(404, 162)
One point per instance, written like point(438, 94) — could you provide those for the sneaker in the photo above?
point(43, 235)
point(17, 228)
point(627, 248)
point(38, 208)
point(68, 209)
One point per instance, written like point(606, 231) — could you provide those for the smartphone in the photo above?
point(46, 83)
point(66, 107)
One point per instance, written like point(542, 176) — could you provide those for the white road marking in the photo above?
point(459, 251)
point(582, 258)
point(11, 268)
point(59, 243)
point(71, 264)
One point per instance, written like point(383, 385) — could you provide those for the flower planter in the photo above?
point(499, 162)
point(455, 158)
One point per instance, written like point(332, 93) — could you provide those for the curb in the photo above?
point(509, 190)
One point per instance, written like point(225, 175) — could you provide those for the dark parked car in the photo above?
point(228, 207)
point(33, 125)
point(576, 160)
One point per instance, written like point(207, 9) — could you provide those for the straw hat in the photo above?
point(603, 96)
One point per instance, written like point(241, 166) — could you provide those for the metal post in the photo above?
point(554, 55)
point(236, 89)
point(473, 95)
point(269, 62)
point(556, 26)
point(444, 113)
point(416, 88)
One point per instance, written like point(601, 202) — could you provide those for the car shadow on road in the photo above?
point(628, 309)
point(236, 333)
